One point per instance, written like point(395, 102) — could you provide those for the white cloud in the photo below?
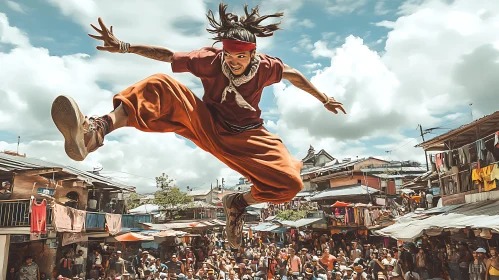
point(386, 23)
point(380, 8)
point(338, 7)
point(11, 35)
point(16, 7)
point(311, 66)
point(439, 57)
point(306, 23)
point(321, 50)
point(303, 45)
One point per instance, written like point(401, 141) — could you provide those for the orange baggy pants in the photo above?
point(161, 104)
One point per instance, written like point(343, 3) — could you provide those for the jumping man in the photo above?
point(225, 123)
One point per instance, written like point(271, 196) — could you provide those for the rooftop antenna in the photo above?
point(471, 111)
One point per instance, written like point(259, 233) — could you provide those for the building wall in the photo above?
point(368, 162)
point(27, 186)
point(370, 181)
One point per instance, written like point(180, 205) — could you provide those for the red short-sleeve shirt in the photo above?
point(206, 65)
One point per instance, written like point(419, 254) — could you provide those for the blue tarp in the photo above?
point(131, 221)
point(95, 220)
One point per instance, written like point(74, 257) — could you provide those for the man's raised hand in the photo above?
point(111, 43)
point(334, 106)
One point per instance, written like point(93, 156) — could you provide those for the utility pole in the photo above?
point(425, 154)
point(223, 185)
point(18, 142)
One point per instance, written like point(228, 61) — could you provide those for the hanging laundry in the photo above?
point(465, 181)
point(488, 183)
point(67, 219)
point(454, 158)
point(490, 158)
point(494, 175)
point(38, 223)
point(113, 223)
point(480, 149)
point(472, 150)
point(439, 162)
point(446, 160)
point(367, 218)
point(462, 156)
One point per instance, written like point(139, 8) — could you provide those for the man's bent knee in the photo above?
point(293, 186)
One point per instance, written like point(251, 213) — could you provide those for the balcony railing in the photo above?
point(16, 214)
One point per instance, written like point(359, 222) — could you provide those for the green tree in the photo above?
point(291, 215)
point(133, 200)
point(169, 196)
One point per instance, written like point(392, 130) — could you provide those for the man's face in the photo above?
point(29, 261)
point(237, 61)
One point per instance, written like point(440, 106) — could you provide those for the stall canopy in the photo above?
point(131, 236)
point(185, 225)
point(341, 204)
point(337, 192)
point(265, 227)
point(479, 215)
point(301, 222)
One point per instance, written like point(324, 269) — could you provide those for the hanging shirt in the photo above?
point(494, 174)
point(38, 223)
point(113, 223)
point(480, 148)
point(67, 219)
point(488, 183)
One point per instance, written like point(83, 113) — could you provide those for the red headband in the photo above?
point(232, 45)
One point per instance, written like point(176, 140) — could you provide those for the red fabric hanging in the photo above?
point(38, 222)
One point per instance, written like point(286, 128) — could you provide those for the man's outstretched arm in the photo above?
point(153, 52)
point(296, 78)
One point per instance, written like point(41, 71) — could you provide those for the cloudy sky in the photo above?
point(394, 64)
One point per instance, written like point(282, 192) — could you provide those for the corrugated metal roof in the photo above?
point(344, 191)
point(10, 163)
point(199, 192)
point(478, 215)
point(301, 222)
point(394, 169)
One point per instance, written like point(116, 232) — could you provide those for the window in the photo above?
point(359, 181)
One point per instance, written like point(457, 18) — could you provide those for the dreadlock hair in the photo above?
point(245, 28)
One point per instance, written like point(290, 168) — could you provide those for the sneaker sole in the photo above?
point(225, 202)
point(65, 114)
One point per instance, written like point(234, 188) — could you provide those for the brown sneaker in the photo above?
point(234, 221)
point(82, 135)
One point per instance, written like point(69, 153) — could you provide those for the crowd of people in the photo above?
point(310, 256)
point(318, 257)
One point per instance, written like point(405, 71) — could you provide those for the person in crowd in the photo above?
point(465, 258)
point(12, 274)
point(477, 268)
point(30, 270)
point(66, 265)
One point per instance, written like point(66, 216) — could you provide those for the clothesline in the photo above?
point(469, 144)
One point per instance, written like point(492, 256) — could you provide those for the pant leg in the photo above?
point(161, 104)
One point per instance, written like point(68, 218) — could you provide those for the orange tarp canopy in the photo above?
point(133, 237)
point(341, 204)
